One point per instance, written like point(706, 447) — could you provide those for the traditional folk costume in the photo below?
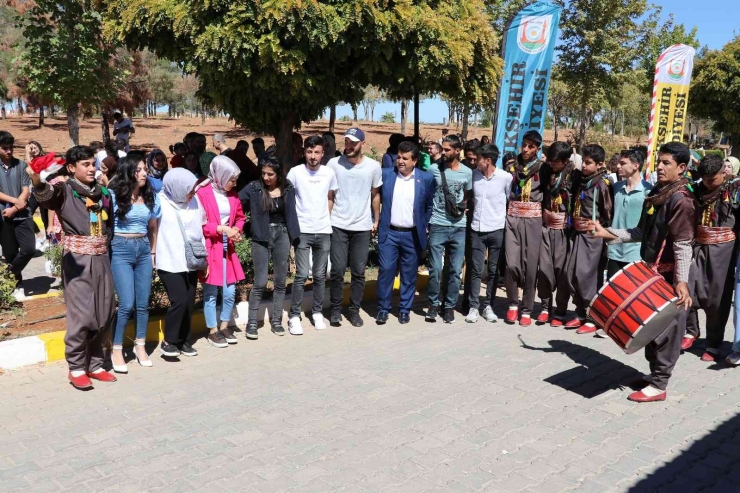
point(711, 279)
point(86, 217)
point(523, 238)
point(556, 233)
point(592, 199)
point(666, 231)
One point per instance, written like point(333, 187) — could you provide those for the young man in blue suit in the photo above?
point(407, 196)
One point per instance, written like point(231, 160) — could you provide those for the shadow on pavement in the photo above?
point(38, 285)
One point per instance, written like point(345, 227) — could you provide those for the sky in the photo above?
point(715, 20)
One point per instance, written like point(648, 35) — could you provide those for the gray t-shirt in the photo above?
point(352, 204)
point(458, 182)
point(12, 180)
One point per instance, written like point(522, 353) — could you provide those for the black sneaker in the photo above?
point(431, 315)
point(169, 350)
point(252, 331)
point(228, 335)
point(449, 316)
point(188, 350)
point(278, 329)
point(217, 340)
point(355, 319)
point(336, 318)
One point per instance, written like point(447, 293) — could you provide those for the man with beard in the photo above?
point(592, 199)
point(358, 190)
point(558, 177)
point(523, 235)
point(666, 233)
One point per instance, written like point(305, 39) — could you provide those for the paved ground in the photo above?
point(463, 407)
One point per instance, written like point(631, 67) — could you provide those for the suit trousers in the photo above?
point(398, 249)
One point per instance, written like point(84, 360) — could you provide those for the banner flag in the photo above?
point(529, 44)
point(670, 100)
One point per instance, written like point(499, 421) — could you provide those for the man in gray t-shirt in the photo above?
point(358, 180)
point(447, 231)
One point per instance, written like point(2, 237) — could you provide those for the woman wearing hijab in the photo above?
point(177, 199)
point(157, 164)
point(224, 224)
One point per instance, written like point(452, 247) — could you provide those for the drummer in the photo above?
point(711, 276)
point(666, 232)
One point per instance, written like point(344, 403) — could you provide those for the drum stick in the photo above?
point(593, 208)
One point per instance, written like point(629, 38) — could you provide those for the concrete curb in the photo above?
point(49, 347)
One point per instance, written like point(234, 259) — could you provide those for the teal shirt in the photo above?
point(627, 211)
point(458, 182)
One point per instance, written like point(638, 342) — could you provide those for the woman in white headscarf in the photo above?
point(177, 200)
point(223, 227)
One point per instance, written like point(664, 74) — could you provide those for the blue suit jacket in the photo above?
point(425, 188)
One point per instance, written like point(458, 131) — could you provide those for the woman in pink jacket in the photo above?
point(224, 224)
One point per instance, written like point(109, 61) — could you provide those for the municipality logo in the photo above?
point(676, 69)
point(534, 33)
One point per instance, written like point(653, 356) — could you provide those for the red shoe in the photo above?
point(543, 318)
point(574, 324)
point(525, 321)
point(639, 396)
point(687, 342)
point(709, 357)
point(556, 322)
point(511, 315)
point(81, 382)
point(587, 328)
point(102, 376)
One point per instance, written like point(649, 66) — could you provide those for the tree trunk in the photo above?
point(582, 129)
point(104, 126)
point(450, 112)
point(2, 110)
point(404, 114)
point(354, 112)
point(73, 124)
point(555, 128)
point(332, 117)
point(284, 140)
point(417, 132)
point(203, 115)
point(465, 120)
point(20, 106)
point(41, 116)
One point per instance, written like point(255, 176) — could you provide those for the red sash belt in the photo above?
point(555, 220)
point(525, 209)
point(713, 236)
point(86, 245)
point(580, 224)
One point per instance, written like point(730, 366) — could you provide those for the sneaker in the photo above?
point(318, 322)
point(277, 328)
point(431, 315)
point(228, 335)
point(169, 350)
point(188, 350)
point(295, 327)
point(19, 294)
point(449, 316)
point(472, 316)
point(733, 359)
point(217, 339)
point(251, 331)
point(336, 318)
point(489, 315)
point(355, 319)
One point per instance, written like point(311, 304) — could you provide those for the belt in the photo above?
point(402, 230)
point(580, 224)
point(713, 236)
point(86, 245)
point(664, 267)
point(525, 209)
point(555, 220)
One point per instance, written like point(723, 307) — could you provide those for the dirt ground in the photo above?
point(32, 318)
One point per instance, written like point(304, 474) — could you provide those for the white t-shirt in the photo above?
point(312, 197)
point(490, 200)
point(352, 204)
point(170, 243)
point(224, 208)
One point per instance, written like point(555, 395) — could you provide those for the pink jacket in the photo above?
point(214, 240)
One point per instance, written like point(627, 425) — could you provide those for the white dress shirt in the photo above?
point(402, 211)
point(490, 200)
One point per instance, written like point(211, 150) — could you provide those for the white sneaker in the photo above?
point(733, 359)
point(19, 294)
point(489, 315)
point(318, 321)
point(472, 316)
point(295, 327)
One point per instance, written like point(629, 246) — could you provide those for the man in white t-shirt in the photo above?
point(314, 186)
point(359, 179)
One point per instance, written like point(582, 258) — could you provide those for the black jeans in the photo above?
point(18, 241)
point(180, 288)
point(279, 248)
point(353, 247)
point(614, 266)
point(320, 244)
point(481, 243)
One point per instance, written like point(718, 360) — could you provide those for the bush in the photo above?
point(244, 252)
point(345, 118)
point(54, 255)
point(158, 300)
point(388, 117)
point(716, 152)
point(7, 286)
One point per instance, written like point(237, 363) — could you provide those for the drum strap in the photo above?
point(629, 299)
point(656, 265)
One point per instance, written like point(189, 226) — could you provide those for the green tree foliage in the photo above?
point(65, 58)
point(272, 64)
point(715, 89)
point(388, 117)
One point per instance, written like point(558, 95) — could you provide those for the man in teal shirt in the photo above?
point(629, 194)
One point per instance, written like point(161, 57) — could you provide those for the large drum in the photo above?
point(634, 307)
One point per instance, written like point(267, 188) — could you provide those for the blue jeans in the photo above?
point(210, 294)
point(131, 262)
point(453, 239)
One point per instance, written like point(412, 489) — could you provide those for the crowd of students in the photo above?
point(123, 215)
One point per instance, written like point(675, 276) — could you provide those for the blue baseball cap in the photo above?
point(355, 135)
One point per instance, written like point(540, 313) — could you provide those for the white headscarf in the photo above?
point(222, 170)
point(177, 184)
